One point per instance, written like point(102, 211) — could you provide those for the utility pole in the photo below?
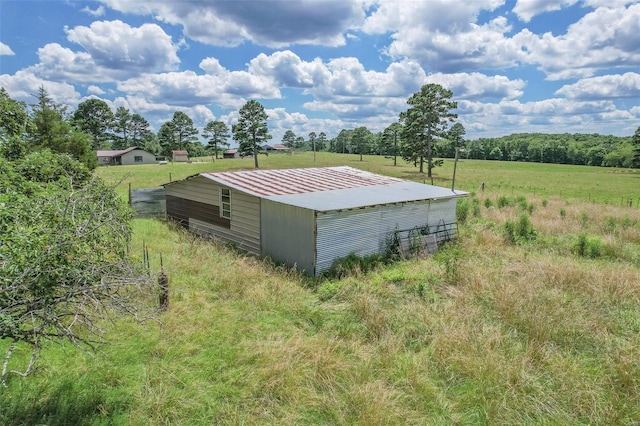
point(455, 164)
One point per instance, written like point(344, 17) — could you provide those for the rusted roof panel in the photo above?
point(266, 183)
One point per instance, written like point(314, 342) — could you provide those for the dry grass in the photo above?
point(528, 333)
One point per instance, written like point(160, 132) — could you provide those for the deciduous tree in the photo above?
point(251, 131)
point(63, 262)
point(13, 115)
point(94, 117)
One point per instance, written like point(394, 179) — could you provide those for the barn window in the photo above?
point(137, 159)
point(225, 203)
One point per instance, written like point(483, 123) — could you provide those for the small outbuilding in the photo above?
point(231, 153)
point(310, 217)
point(128, 156)
point(275, 148)
point(180, 156)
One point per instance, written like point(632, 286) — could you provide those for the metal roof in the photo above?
point(328, 188)
point(117, 153)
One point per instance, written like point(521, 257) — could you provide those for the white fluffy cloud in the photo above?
point(527, 9)
point(605, 87)
point(112, 51)
point(23, 85)
point(5, 50)
point(604, 38)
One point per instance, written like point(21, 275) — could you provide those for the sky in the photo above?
point(548, 66)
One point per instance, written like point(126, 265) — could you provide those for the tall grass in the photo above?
point(485, 332)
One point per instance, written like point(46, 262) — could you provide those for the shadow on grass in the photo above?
point(67, 402)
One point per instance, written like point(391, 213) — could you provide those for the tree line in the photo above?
point(423, 135)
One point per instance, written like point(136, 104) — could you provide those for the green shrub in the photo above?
point(586, 246)
point(545, 202)
point(504, 201)
point(462, 210)
point(488, 202)
point(609, 224)
point(475, 207)
point(519, 231)
point(563, 212)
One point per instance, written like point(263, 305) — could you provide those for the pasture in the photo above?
point(491, 330)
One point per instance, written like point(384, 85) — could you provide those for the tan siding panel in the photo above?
point(196, 189)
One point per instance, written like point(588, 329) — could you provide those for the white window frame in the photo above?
point(225, 203)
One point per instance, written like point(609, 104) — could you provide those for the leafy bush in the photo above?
point(504, 201)
point(462, 210)
point(586, 246)
point(520, 231)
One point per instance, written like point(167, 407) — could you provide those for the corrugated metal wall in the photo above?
point(367, 230)
point(288, 234)
point(244, 227)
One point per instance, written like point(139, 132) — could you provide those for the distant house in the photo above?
point(231, 153)
point(275, 148)
point(131, 155)
point(180, 156)
point(309, 217)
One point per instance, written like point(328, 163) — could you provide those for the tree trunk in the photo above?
point(255, 156)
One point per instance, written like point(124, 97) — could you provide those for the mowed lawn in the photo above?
point(543, 330)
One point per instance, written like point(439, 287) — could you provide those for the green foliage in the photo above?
point(463, 208)
point(563, 212)
point(587, 246)
point(519, 231)
point(488, 202)
point(390, 141)
point(13, 116)
point(217, 134)
point(505, 201)
point(94, 117)
point(51, 130)
point(251, 131)
point(578, 149)
point(451, 256)
point(635, 142)
point(63, 240)
point(328, 289)
point(424, 122)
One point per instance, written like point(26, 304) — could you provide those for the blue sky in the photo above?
point(513, 66)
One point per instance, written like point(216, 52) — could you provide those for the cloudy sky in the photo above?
point(549, 66)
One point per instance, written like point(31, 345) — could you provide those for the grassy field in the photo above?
point(537, 325)
point(605, 185)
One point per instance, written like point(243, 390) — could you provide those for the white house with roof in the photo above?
point(310, 217)
point(128, 156)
